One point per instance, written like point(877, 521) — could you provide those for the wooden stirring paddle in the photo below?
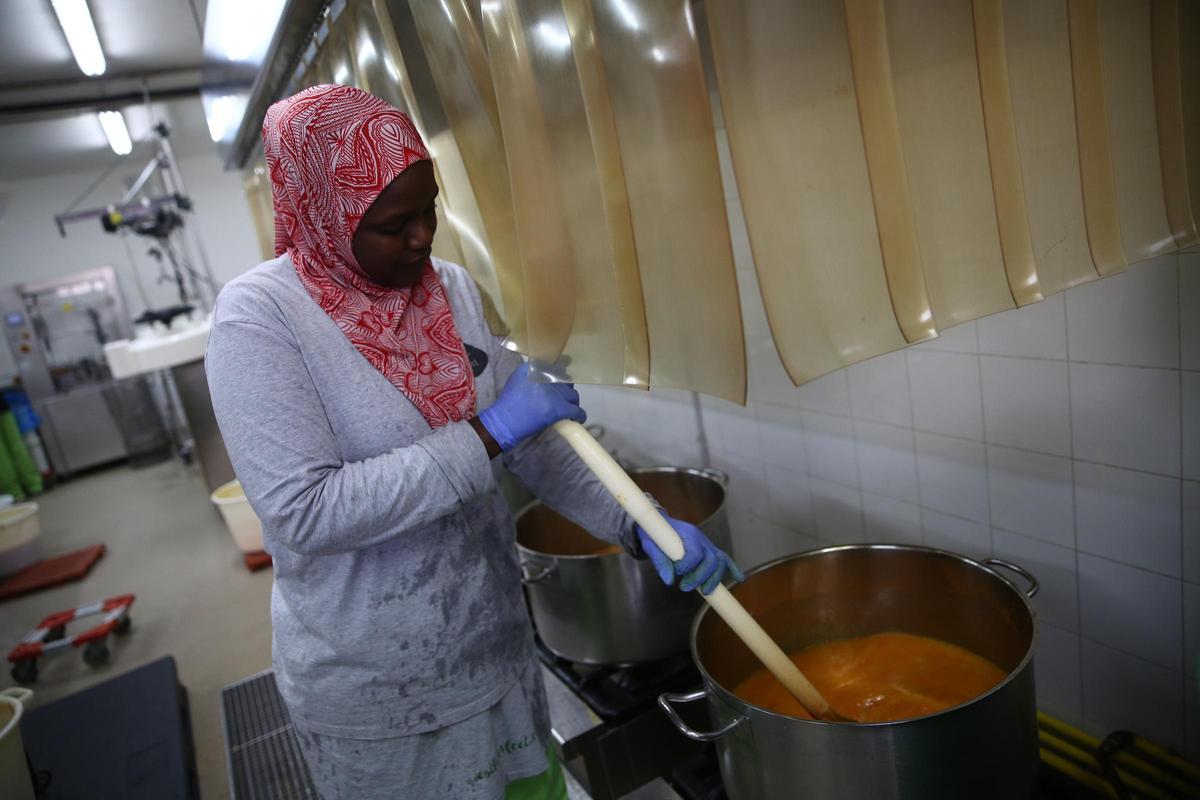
point(631, 498)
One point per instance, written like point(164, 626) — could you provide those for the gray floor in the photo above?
point(195, 599)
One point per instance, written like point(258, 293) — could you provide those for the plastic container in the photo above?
point(19, 544)
point(15, 781)
point(239, 517)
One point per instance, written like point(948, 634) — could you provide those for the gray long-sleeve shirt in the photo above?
point(397, 605)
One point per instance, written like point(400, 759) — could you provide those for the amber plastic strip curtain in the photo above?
point(788, 96)
point(1008, 184)
point(575, 247)
point(903, 165)
point(1125, 41)
point(1169, 56)
point(1038, 52)
point(257, 186)
point(451, 43)
point(664, 128)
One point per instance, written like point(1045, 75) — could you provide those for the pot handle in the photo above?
point(18, 693)
point(533, 572)
point(991, 563)
point(718, 476)
point(664, 702)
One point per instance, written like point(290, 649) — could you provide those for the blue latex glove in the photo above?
point(703, 563)
point(526, 407)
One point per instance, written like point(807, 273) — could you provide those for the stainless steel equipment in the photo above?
point(984, 749)
point(592, 608)
point(192, 385)
point(56, 330)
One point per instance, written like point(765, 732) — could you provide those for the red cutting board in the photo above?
point(51, 572)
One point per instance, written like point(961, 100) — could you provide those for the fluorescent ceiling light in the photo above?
point(76, 22)
point(113, 124)
point(241, 30)
point(222, 113)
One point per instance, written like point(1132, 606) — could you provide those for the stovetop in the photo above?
point(624, 699)
point(618, 693)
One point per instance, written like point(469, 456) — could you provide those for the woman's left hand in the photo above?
point(703, 563)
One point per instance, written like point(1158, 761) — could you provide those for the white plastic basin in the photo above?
point(239, 517)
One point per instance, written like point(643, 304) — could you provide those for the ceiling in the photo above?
point(47, 106)
point(73, 142)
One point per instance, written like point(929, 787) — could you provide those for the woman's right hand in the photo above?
point(526, 407)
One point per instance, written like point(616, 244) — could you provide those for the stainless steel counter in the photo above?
point(593, 753)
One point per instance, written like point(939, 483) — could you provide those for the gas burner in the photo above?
point(619, 693)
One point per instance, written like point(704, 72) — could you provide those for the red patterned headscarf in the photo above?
point(331, 150)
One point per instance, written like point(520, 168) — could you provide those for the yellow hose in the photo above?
point(1163, 754)
point(1078, 774)
point(1129, 760)
point(1087, 759)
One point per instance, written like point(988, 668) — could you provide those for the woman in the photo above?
point(345, 375)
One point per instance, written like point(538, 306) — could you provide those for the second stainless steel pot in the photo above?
point(610, 608)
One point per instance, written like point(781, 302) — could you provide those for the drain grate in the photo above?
point(263, 755)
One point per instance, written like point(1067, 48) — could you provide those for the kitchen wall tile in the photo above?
point(1189, 309)
point(1038, 330)
point(1191, 531)
point(1131, 517)
point(957, 535)
point(1121, 691)
point(781, 436)
point(1057, 601)
point(952, 476)
point(959, 339)
point(753, 539)
point(837, 512)
point(676, 412)
point(1026, 404)
point(739, 433)
point(1191, 424)
point(1131, 610)
point(879, 389)
point(886, 460)
point(945, 393)
point(891, 521)
point(1131, 318)
point(1057, 673)
point(1031, 493)
point(791, 502)
point(829, 445)
point(747, 482)
point(1126, 416)
point(791, 542)
point(677, 453)
point(828, 394)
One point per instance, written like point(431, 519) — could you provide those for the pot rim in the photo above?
point(700, 472)
point(731, 698)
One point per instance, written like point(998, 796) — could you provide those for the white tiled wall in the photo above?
point(1064, 436)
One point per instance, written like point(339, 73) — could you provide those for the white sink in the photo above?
point(129, 357)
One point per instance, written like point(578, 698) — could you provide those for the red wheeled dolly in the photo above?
point(50, 636)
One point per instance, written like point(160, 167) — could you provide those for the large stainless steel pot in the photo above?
point(984, 749)
point(613, 609)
